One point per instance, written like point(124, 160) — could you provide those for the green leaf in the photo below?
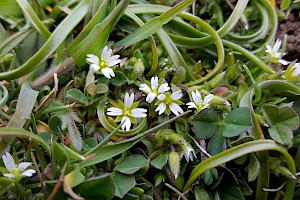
point(253, 168)
point(123, 183)
point(282, 116)
point(232, 193)
point(101, 88)
point(26, 101)
point(153, 25)
point(240, 150)
point(54, 41)
point(281, 134)
point(100, 187)
point(77, 96)
point(216, 144)
point(206, 123)
point(9, 8)
point(160, 161)
point(285, 4)
point(236, 122)
point(74, 178)
point(60, 154)
point(201, 193)
point(131, 164)
point(119, 79)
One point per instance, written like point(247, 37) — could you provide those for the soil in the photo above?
point(291, 28)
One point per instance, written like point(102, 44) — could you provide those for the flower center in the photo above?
point(15, 171)
point(168, 100)
point(103, 63)
point(126, 112)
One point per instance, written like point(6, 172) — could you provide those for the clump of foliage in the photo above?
point(146, 100)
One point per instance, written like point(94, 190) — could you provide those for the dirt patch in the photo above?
point(291, 28)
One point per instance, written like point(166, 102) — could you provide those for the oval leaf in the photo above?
point(131, 164)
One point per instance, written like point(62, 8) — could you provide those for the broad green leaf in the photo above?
point(101, 88)
point(232, 192)
point(281, 134)
point(10, 8)
point(160, 161)
point(201, 193)
point(131, 164)
point(123, 183)
point(26, 101)
point(216, 144)
point(253, 168)
point(60, 154)
point(77, 96)
point(236, 122)
point(74, 178)
point(206, 123)
point(282, 116)
point(285, 4)
point(100, 187)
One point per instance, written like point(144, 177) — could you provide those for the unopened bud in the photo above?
point(174, 163)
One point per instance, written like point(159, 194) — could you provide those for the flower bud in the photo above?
point(179, 75)
point(174, 163)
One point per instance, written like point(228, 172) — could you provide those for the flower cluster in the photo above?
point(16, 171)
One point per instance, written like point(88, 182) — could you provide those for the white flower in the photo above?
point(127, 112)
point(188, 152)
point(154, 90)
point(104, 64)
point(198, 103)
point(17, 171)
point(275, 54)
point(296, 69)
point(168, 101)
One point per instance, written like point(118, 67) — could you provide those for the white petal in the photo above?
point(106, 53)
point(161, 97)
point(154, 82)
point(24, 165)
point(138, 112)
point(191, 105)
point(113, 111)
point(127, 123)
point(8, 161)
point(161, 108)
point(277, 45)
point(92, 59)
point(207, 99)
point(28, 172)
point(145, 88)
point(269, 49)
point(9, 175)
point(128, 100)
point(176, 109)
point(94, 67)
point(150, 97)
point(163, 88)
point(176, 95)
point(284, 62)
point(197, 97)
point(113, 60)
point(108, 72)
